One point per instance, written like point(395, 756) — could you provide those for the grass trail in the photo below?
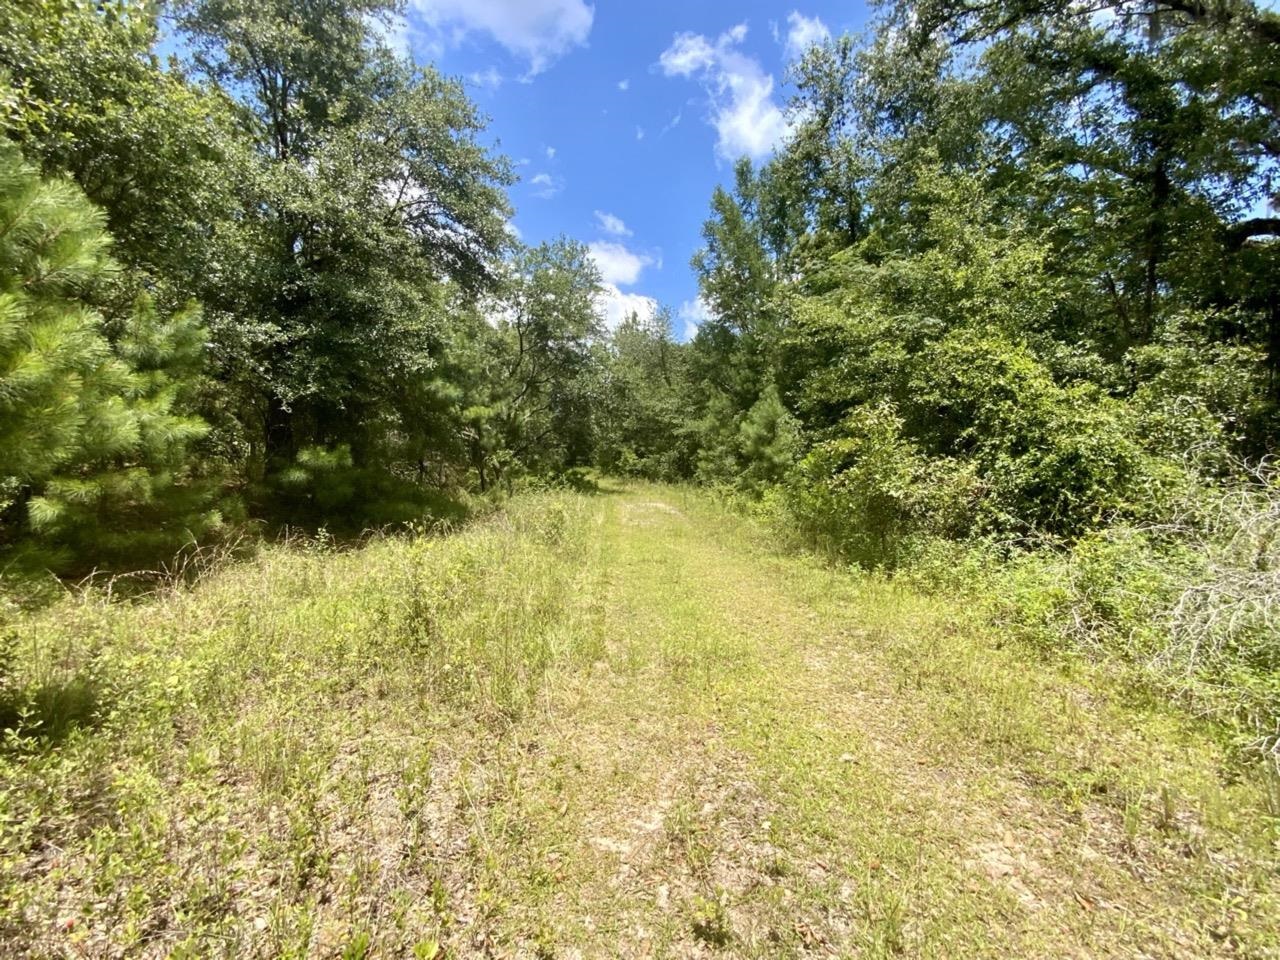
point(773, 759)
point(621, 726)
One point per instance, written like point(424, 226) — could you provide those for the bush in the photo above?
point(1193, 604)
point(768, 441)
point(1056, 460)
point(867, 495)
point(1197, 401)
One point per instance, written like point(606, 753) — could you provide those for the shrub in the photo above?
point(1196, 400)
point(1056, 460)
point(1193, 604)
point(866, 495)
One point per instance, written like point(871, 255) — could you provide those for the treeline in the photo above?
point(1009, 275)
point(1005, 313)
point(272, 278)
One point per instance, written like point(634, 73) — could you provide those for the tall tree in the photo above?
point(1148, 133)
point(544, 373)
point(89, 99)
point(370, 191)
point(643, 410)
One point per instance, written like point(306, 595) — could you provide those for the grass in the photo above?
point(601, 726)
point(248, 762)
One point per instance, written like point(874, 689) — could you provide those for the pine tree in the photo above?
point(95, 453)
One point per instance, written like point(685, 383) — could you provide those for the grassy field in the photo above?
point(618, 725)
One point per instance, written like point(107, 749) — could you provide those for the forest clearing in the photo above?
point(613, 725)
point(576, 478)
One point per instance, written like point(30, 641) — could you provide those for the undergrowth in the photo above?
point(1187, 609)
point(184, 772)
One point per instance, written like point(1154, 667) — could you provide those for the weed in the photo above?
point(711, 923)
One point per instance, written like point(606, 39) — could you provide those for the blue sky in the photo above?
point(622, 117)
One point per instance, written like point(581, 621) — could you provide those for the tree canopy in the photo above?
point(1010, 275)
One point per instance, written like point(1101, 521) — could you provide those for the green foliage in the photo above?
point(956, 335)
point(1009, 284)
point(852, 496)
point(1053, 459)
point(58, 370)
point(533, 407)
point(95, 439)
point(642, 420)
point(333, 209)
point(768, 438)
point(90, 100)
point(748, 451)
point(870, 495)
point(325, 488)
point(1201, 403)
point(370, 199)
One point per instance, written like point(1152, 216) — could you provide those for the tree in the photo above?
point(90, 100)
point(542, 366)
point(369, 192)
point(642, 411)
point(1004, 224)
point(95, 439)
point(737, 277)
point(1147, 132)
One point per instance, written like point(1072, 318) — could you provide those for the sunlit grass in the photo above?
point(247, 762)
point(625, 725)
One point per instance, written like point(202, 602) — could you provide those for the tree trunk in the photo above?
point(280, 444)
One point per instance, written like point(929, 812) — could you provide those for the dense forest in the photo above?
point(1002, 314)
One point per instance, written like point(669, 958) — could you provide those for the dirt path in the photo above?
point(772, 759)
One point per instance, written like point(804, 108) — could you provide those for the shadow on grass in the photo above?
point(43, 712)
point(46, 714)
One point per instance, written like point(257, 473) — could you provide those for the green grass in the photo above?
point(622, 725)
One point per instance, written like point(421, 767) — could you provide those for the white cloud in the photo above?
point(513, 230)
point(551, 153)
point(746, 119)
point(611, 224)
point(750, 123)
point(693, 313)
point(394, 33)
point(547, 185)
point(489, 79)
point(624, 85)
point(620, 267)
point(802, 33)
point(688, 54)
point(614, 306)
point(617, 264)
point(538, 31)
point(639, 133)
